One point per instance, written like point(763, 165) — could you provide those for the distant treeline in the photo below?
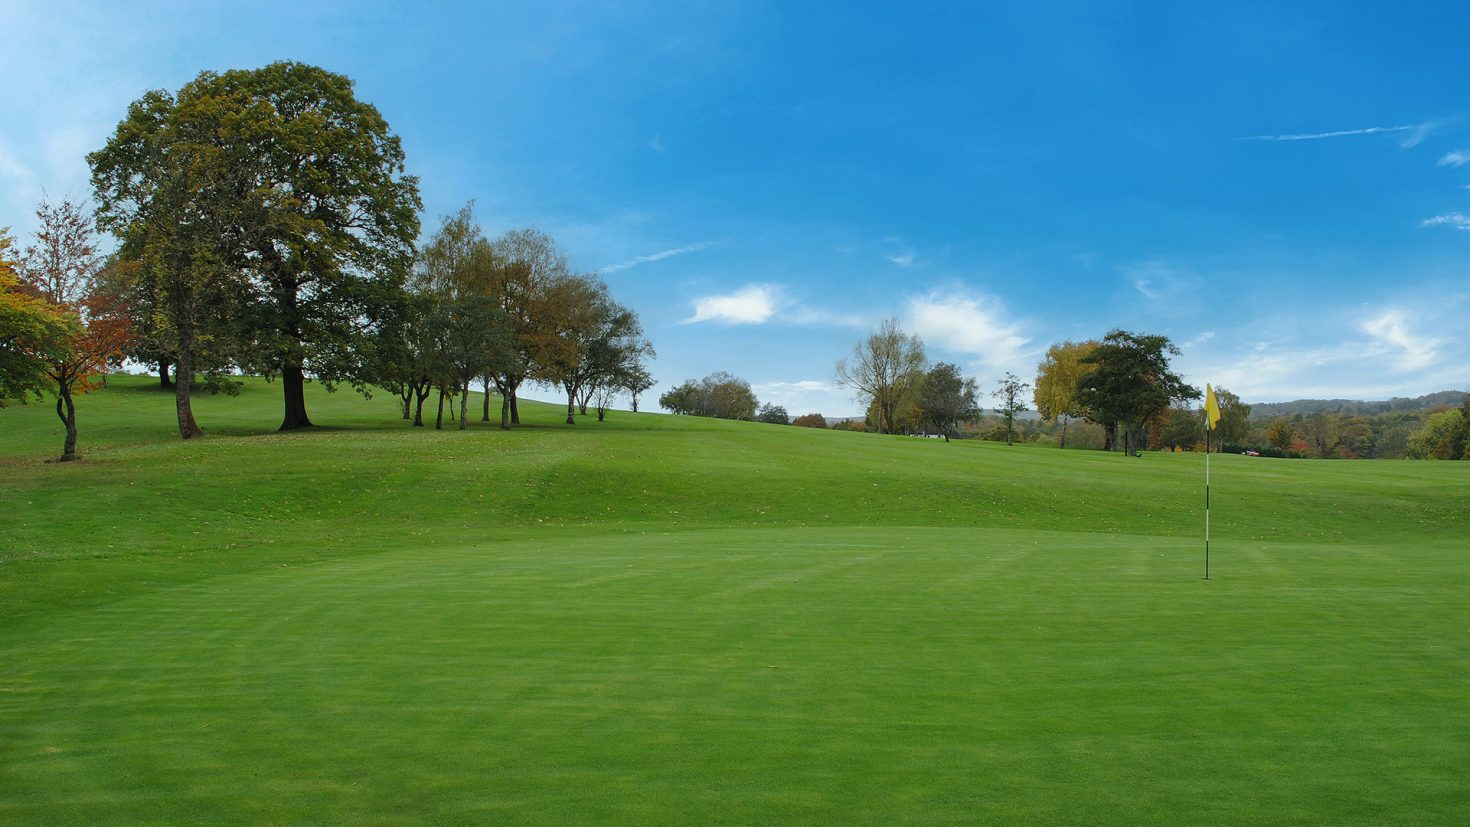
point(1358, 407)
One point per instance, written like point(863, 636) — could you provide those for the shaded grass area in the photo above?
point(681, 620)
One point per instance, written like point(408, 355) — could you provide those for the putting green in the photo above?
point(837, 675)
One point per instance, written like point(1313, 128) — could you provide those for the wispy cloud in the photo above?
point(1455, 159)
point(1392, 329)
point(1413, 134)
point(1159, 280)
point(656, 143)
point(904, 259)
point(752, 304)
point(658, 256)
point(972, 324)
point(1451, 219)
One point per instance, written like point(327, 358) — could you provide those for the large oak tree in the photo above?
point(303, 189)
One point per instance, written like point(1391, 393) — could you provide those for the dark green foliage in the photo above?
point(773, 415)
point(1129, 383)
point(947, 399)
point(282, 179)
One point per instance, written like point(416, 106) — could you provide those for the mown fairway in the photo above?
point(669, 620)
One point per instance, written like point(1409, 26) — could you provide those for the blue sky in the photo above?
point(1283, 190)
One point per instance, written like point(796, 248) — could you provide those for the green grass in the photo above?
point(670, 620)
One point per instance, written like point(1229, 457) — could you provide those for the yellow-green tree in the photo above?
point(1056, 382)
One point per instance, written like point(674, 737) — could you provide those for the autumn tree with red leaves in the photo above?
point(61, 268)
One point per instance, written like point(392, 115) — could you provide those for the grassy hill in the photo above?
point(666, 619)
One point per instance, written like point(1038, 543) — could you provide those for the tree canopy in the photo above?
point(886, 370)
point(1128, 382)
point(281, 176)
point(947, 398)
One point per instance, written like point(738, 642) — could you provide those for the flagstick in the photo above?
point(1207, 500)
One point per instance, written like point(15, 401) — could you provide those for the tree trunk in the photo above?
point(464, 405)
point(635, 403)
point(163, 378)
point(515, 411)
point(601, 413)
point(183, 378)
point(1064, 431)
point(422, 393)
point(439, 421)
point(486, 416)
point(451, 406)
point(293, 382)
point(571, 407)
point(69, 419)
point(407, 402)
point(505, 413)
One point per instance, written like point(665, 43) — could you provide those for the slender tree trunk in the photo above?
point(571, 407)
point(1064, 431)
point(439, 421)
point(464, 404)
point(66, 411)
point(635, 403)
point(407, 403)
point(293, 382)
point(486, 416)
point(183, 379)
point(601, 413)
point(515, 411)
point(451, 406)
point(163, 378)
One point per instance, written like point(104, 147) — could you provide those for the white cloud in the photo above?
point(752, 304)
point(904, 259)
point(1456, 159)
point(975, 325)
point(1453, 219)
point(1145, 287)
point(1391, 329)
point(658, 256)
point(1414, 134)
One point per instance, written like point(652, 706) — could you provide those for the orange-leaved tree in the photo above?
point(33, 333)
point(61, 268)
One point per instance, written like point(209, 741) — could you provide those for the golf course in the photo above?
point(661, 619)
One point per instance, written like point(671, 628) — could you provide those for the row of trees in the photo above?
point(1122, 382)
point(502, 314)
point(265, 224)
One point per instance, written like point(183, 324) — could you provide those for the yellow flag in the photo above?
point(1212, 408)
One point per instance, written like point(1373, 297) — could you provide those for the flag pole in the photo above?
point(1207, 498)
point(1212, 417)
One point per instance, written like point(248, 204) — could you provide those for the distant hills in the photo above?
point(1356, 407)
